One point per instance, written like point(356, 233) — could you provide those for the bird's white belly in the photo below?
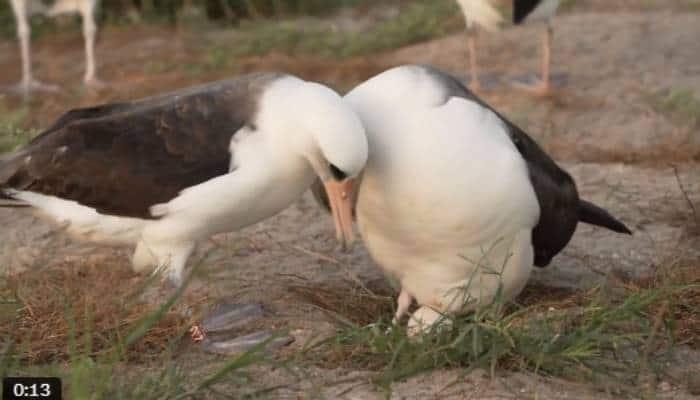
point(435, 246)
point(449, 277)
point(442, 210)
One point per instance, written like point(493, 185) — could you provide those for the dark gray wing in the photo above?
point(122, 158)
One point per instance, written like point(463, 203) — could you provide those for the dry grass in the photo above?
point(687, 314)
point(89, 323)
point(681, 308)
point(349, 303)
point(91, 306)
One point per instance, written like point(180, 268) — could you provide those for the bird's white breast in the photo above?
point(444, 186)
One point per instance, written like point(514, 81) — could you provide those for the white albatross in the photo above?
point(456, 203)
point(165, 172)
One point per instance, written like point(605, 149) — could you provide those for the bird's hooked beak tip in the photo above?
point(340, 197)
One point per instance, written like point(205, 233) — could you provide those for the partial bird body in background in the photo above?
point(482, 13)
point(533, 10)
point(492, 15)
point(63, 7)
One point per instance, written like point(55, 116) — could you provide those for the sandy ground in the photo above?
point(604, 127)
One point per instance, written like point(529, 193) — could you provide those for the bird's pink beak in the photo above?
point(340, 197)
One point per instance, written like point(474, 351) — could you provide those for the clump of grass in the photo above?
point(353, 304)
point(679, 104)
point(607, 334)
point(12, 135)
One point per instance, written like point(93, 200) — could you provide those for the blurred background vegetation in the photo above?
point(222, 11)
point(271, 25)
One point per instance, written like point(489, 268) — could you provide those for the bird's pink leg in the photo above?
point(543, 86)
point(474, 83)
point(547, 57)
point(23, 34)
point(28, 83)
point(403, 303)
point(87, 12)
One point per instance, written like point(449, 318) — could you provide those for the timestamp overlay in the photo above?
point(31, 388)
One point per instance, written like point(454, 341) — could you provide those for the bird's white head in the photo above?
point(323, 129)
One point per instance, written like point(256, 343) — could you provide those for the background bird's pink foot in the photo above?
point(485, 83)
point(536, 86)
point(539, 89)
point(96, 84)
point(26, 88)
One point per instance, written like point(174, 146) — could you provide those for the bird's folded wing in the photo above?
point(123, 158)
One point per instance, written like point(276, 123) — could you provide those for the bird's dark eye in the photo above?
point(337, 173)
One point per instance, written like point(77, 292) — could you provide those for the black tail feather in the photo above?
point(594, 215)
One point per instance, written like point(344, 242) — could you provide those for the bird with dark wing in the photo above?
point(456, 202)
point(165, 172)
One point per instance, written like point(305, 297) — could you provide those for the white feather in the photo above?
point(481, 12)
point(68, 6)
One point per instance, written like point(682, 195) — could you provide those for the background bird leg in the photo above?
point(87, 12)
point(474, 83)
point(542, 86)
point(547, 56)
point(28, 83)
